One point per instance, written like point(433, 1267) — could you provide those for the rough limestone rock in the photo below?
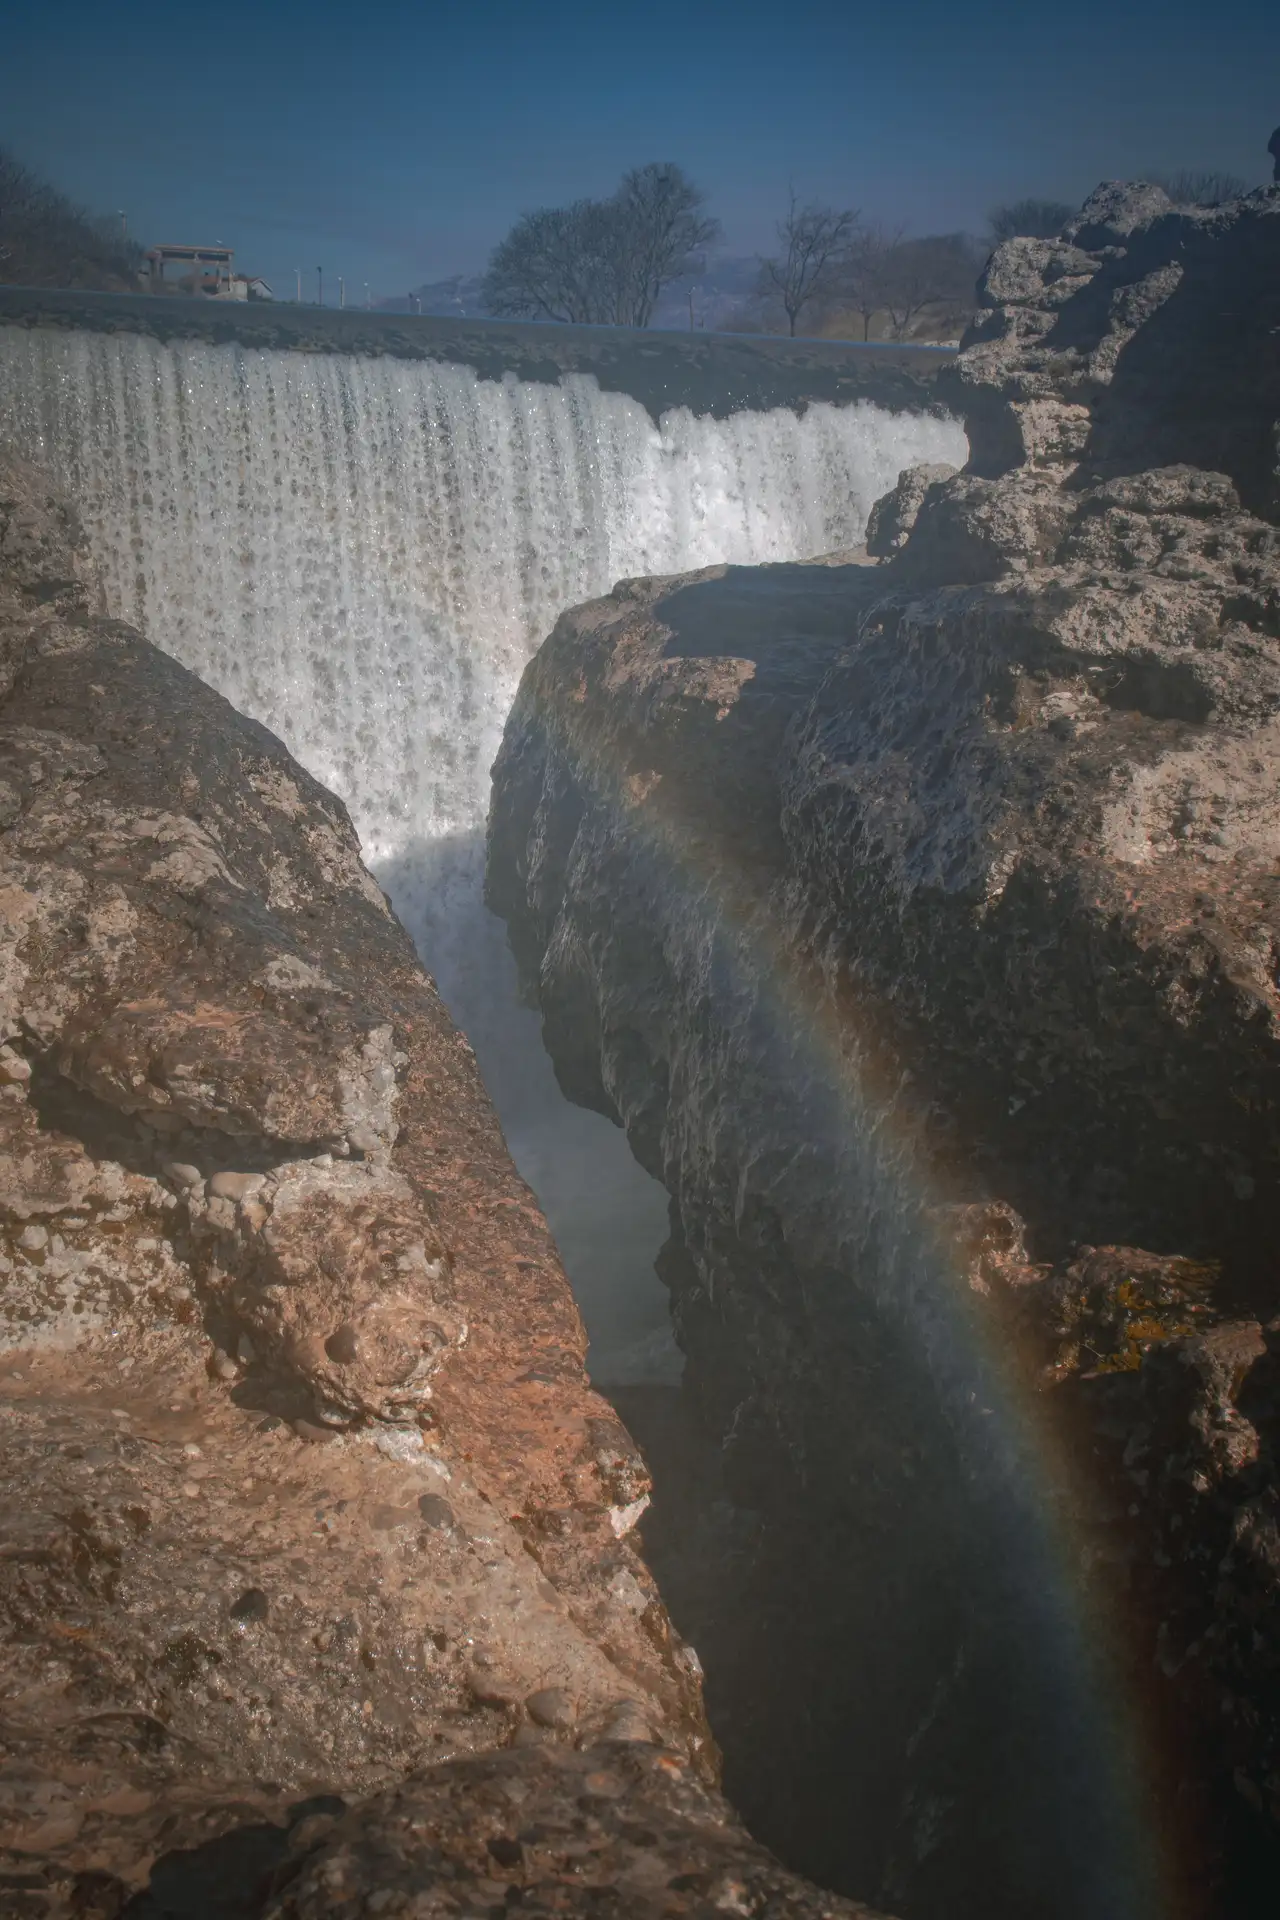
point(621, 1831)
point(1144, 338)
point(893, 516)
point(304, 1488)
point(920, 924)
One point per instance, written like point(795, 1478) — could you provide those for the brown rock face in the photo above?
point(303, 1484)
point(920, 925)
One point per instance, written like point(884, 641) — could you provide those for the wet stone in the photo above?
point(551, 1707)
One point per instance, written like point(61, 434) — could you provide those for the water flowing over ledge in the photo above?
point(716, 374)
point(363, 554)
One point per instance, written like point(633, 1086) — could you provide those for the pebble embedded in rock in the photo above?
point(529, 1735)
point(435, 1510)
point(251, 1608)
point(33, 1239)
point(183, 1174)
point(493, 1689)
point(606, 1786)
point(234, 1186)
point(627, 1722)
point(551, 1707)
point(309, 1431)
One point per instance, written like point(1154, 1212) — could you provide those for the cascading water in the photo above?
point(363, 553)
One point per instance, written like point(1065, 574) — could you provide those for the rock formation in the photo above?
point(305, 1494)
point(919, 922)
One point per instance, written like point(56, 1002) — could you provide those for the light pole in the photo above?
point(319, 286)
point(342, 291)
point(368, 297)
point(124, 223)
point(297, 274)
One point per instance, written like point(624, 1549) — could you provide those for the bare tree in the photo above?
point(1189, 188)
point(863, 279)
point(936, 270)
point(601, 262)
point(1035, 219)
point(815, 242)
point(555, 264)
point(661, 231)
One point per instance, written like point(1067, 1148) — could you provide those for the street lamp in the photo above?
point(342, 291)
point(319, 286)
point(124, 223)
point(368, 297)
point(297, 274)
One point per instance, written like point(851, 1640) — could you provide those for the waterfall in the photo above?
point(363, 554)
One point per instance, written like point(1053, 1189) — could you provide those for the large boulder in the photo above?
point(304, 1486)
point(920, 926)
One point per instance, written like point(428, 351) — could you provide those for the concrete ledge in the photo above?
point(712, 373)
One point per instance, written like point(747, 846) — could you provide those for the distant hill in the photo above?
point(458, 298)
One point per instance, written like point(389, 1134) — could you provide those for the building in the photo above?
point(205, 272)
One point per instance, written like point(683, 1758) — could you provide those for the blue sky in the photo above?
point(395, 143)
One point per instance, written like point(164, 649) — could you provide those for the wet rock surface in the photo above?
point(919, 924)
point(302, 1486)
